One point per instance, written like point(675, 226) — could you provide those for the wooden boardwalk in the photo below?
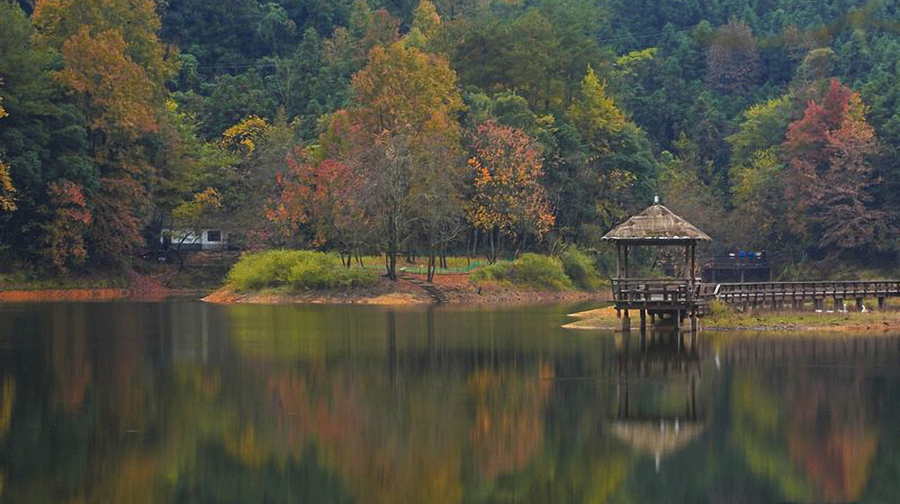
point(778, 295)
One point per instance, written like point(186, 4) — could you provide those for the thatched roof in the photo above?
point(656, 224)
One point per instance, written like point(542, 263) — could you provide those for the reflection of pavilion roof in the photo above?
point(656, 224)
point(659, 438)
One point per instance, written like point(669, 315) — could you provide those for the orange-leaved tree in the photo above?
point(405, 119)
point(508, 198)
point(66, 231)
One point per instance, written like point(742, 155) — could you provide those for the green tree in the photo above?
point(616, 157)
point(42, 138)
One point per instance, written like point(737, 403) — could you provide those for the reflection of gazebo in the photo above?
point(659, 439)
point(649, 388)
point(656, 226)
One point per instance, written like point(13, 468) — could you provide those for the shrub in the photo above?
point(579, 267)
point(298, 269)
point(720, 311)
point(531, 270)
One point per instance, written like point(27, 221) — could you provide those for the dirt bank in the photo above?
point(140, 288)
point(24, 296)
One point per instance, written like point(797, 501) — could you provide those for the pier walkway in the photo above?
point(780, 295)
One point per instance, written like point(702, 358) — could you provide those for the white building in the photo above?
point(186, 239)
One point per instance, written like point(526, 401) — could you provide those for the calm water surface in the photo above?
point(190, 402)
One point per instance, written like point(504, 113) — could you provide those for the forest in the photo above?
point(495, 126)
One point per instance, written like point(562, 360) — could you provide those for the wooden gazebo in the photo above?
point(657, 226)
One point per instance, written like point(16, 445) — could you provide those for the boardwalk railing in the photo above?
point(778, 293)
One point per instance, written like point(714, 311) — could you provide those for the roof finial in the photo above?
point(656, 200)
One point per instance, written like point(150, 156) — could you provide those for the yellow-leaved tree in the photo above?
point(7, 201)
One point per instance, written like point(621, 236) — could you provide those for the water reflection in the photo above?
point(187, 402)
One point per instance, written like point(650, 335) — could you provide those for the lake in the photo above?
point(190, 402)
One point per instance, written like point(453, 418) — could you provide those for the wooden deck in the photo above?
point(656, 293)
point(777, 295)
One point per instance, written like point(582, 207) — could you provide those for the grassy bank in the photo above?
point(295, 270)
point(725, 318)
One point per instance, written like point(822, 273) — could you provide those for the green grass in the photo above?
point(30, 280)
point(531, 270)
point(297, 270)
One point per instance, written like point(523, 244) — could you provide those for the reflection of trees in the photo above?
point(7, 400)
point(813, 440)
point(756, 431)
point(390, 447)
point(509, 418)
point(828, 435)
point(68, 353)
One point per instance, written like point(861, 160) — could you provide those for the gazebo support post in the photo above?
point(618, 260)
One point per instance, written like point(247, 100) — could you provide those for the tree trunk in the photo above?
point(492, 257)
point(430, 268)
point(392, 263)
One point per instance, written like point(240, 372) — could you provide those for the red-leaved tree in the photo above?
point(323, 196)
point(830, 176)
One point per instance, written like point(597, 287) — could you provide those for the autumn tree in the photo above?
point(402, 88)
point(260, 148)
point(830, 177)
point(67, 229)
point(42, 139)
point(732, 60)
point(321, 197)
point(115, 67)
point(437, 199)
point(508, 199)
point(7, 200)
point(406, 113)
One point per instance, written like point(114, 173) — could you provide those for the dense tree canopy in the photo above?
point(721, 108)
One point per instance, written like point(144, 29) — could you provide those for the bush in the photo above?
point(531, 270)
point(579, 267)
point(298, 269)
point(720, 311)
